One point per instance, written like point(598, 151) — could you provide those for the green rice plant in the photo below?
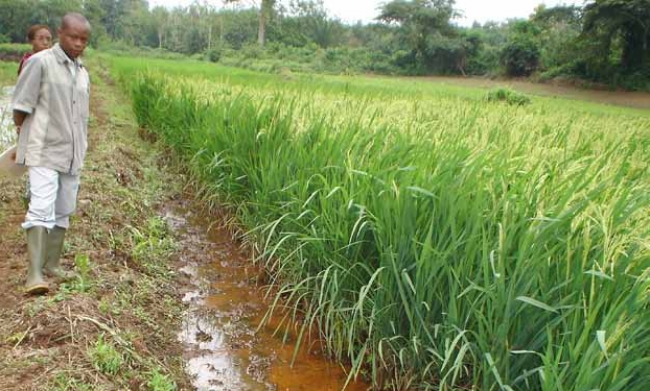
point(437, 242)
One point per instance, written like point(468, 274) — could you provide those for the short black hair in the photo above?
point(73, 16)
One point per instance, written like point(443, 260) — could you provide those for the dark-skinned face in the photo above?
point(42, 40)
point(73, 38)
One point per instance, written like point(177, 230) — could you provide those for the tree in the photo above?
point(520, 56)
point(265, 13)
point(160, 16)
point(425, 29)
point(559, 28)
point(111, 16)
point(606, 21)
point(307, 22)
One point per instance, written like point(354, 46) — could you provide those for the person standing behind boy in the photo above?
point(51, 108)
point(40, 37)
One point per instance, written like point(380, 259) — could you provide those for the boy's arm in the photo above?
point(19, 118)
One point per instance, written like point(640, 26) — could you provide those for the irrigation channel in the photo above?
point(225, 349)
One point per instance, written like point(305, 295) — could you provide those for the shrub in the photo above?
point(214, 54)
point(13, 51)
point(509, 96)
point(520, 57)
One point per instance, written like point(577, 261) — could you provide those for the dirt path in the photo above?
point(114, 326)
point(639, 100)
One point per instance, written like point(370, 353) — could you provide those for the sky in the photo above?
point(351, 11)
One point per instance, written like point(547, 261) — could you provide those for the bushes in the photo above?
point(520, 57)
point(509, 96)
point(309, 59)
point(13, 51)
point(214, 54)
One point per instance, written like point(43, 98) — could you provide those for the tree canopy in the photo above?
point(606, 41)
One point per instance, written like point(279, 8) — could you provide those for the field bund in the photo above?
point(436, 240)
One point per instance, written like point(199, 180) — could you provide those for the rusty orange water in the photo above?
point(225, 348)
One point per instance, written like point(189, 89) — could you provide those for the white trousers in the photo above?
point(53, 198)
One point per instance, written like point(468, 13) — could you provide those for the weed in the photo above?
point(152, 246)
point(82, 282)
point(105, 358)
point(160, 382)
point(65, 382)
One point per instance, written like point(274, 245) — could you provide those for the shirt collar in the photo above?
point(63, 58)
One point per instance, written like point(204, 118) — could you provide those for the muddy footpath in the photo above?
point(225, 346)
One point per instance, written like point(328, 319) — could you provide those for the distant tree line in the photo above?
point(606, 41)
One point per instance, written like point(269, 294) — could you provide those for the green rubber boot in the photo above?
point(52, 267)
point(36, 247)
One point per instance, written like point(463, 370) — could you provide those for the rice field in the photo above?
point(438, 241)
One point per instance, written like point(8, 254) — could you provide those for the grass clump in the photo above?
point(508, 96)
point(105, 357)
point(65, 382)
point(152, 244)
point(160, 382)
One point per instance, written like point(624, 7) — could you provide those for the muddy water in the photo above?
point(7, 132)
point(224, 348)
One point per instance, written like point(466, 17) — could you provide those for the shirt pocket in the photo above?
point(84, 105)
point(55, 136)
point(83, 94)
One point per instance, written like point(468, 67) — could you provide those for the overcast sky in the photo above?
point(366, 10)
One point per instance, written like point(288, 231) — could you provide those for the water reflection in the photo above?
point(7, 131)
point(223, 349)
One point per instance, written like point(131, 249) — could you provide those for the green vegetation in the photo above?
point(508, 96)
point(602, 41)
point(105, 357)
point(359, 87)
point(13, 50)
point(8, 72)
point(160, 382)
point(150, 244)
point(435, 240)
point(64, 382)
